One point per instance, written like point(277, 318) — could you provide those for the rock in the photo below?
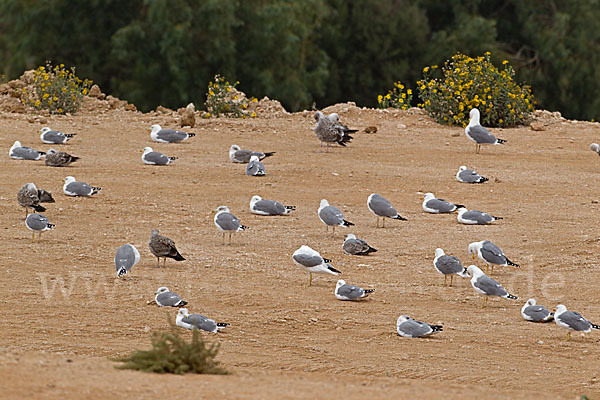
point(16, 84)
point(188, 118)
point(537, 126)
point(28, 77)
point(95, 91)
point(594, 201)
point(371, 129)
point(401, 126)
point(455, 134)
point(163, 110)
point(130, 107)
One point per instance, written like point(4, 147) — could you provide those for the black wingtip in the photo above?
point(291, 208)
point(342, 143)
point(512, 263)
point(497, 217)
point(39, 208)
point(70, 135)
point(459, 206)
point(512, 297)
point(400, 218)
point(329, 267)
point(73, 158)
point(595, 326)
point(223, 324)
point(501, 141)
point(182, 303)
point(347, 131)
point(191, 134)
point(121, 272)
point(368, 291)
point(244, 227)
point(371, 250)
point(482, 180)
point(42, 153)
point(348, 223)
point(327, 260)
point(437, 328)
point(178, 257)
point(269, 154)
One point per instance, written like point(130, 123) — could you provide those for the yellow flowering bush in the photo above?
point(223, 99)
point(465, 83)
point(396, 98)
point(55, 89)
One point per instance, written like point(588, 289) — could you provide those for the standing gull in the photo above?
point(466, 175)
point(237, 155)
point(226, 222)
point(474, 217)
point(50, 136)
point(37, 223)
point(534, 313)
point(343, 291)
point(312, 262)
point(255, 167)
point(594, 147)
point(59, 158)
point(127, 256)
point(478, 133)
point(19, 152)
point(30, 197)
point(329, 132)
point(168, 135)
point(487, 286)
point(261, 206)
point(573, 321)
point(408, 327)
point(152, 157)
point(438, 206)
point(198, 321)
point(448, 265)
point(74, 188)
point(490, 254)
point(381, 207)
point(164, 298)
point(331, 216)
point(162, 246)
point(357, 247)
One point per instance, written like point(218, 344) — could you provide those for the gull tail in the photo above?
point(51, 226)
point(221, 325)
point(327, 260)
point(464, 273)
point(42, 153)
point(243, 227)
point(510, 296)
point(121, 272)
point(182, 303)
point(512, 263)
point(39, 208)
point(500, 141)
point(95, 190)
point(368, 291)
point(401, 218)
point(289, 209)
point(178, 257)
point(459, 206)
point(269, 154)
point(332, 270)
point(436, 328)
point(45, 196)
point(73, 158)
point(493, 216)
point(191, 134)
point(594, 326)
point(482, 180)
point(347, 223)
point(370, 250)
point(173, 158)
point(70, 135)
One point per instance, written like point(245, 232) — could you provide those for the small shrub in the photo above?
point(55, 89)
point(396, 98)
point(466, 83)
point(223, 99)
point(171, 353)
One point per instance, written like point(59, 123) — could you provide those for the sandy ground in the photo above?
point(64, 313)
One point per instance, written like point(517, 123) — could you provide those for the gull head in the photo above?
point(234, 148)
point(16, 144)
point(324, 203)
point(350, 236)
point(474, 113)
point(402, 318)
point(183, 312)
point(334, 117)
point(254, 158)
point(428, 196)
point(530, 302)
point(474, 248)
point(318, 116)
point(474, 271)
point(45, 129)
point(221, 209)
point(340, 283)
point(155, 128)
point(595, 147)
point(69, 179)
point(561, 308)
point(256, 198)
point(439, 252)
point(154, 232)
point(162, 289)
point(147, 150)
point(462, 168)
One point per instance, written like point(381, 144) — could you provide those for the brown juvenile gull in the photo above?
point(357, 247)
point(329, 132)
point(238, 155)
point(30, 197)
point(59, 158)
point(162, 246)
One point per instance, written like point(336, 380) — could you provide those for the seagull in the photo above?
point(534, 313)
point(408, 327)
point(255, 167)
point(448, 265)
point(343, 291)
point(127, 256)
point(164, 298)
point(237, 155)
point(466, 175)
point(490, 254)
point(381, 207)
point(198, 321)
point(312, 262)
point(438, 206)
point(152, 157)
point(595, 147)
point(19, 152)
point(335, 120)
point(74, 188)
point(571, 320)
point(329, 132)
point(227, 222)
point(37, 223)
point(162, 246)
point(59, 158)
point(261, 206)
point(487, 286)
point(474, 217)
point(168, 135)
point(331, 216)
point(50, 136)
point(478, 133)
point(30, 197)
point(357, 247)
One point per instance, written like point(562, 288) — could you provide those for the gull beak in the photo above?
point(554, 310)
point(141, 151)
point(473, 256)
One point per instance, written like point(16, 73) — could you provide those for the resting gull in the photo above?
point(198, 321)
point(74, 188)
point(448, 265)
point(438, 206)
point(466, 175)
point(261, 206)
point(255, 167)
point(343, 291)
point(164, 298)
point(356, 247)
point(125, 258)
point(487, 286)
point(226, 222)
point(478, 133)
point(19, 152)
point(381, 207)
point(59, 158)
point(237, 155)
point(37, 223)
point(595, 147)
point(29, 196)
point(335, 120)
point(534, 313)
point(573, 321)
point(474, 217)
point(331, 216)
point(152, 157)
point(162, 246)
point(312, 262)
point(50, 136)
point(329, 132)
point(490, 254)
point(408, 327)
point(168, 135)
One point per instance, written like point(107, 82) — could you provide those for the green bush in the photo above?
point(224, 99)
point(464, 83)
point(57, 90)
point(396, 98)
point(171, 353)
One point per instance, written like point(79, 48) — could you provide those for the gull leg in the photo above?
point(487, 268)
point(377, 225)
point(26, 212)
point(451, 276)
point(230, 234)
point(40, 237)
point(484, 302)
point(492, 269)
point(165, 262)
point(568, 336)
point(383, 222)
point(445, 277)
point(310, 279)
point(158, 262)
point(32, 237)
point(333, 232)
point(223, 238)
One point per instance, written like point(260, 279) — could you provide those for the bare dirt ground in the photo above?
point(64, 313)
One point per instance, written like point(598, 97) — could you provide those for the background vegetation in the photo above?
point(153, 52)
